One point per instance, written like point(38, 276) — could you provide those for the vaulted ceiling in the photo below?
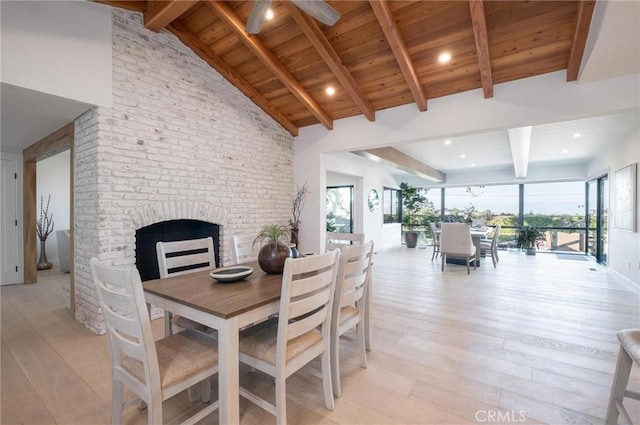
point(379, 54)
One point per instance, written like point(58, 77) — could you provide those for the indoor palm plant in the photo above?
point(412, 201)
point(275, 248)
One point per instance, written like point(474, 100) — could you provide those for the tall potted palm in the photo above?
point(412, 201)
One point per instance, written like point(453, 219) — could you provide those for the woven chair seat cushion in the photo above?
point(630, 340)
point(486, 243)
point(260, 342)
point(179, 356)
point(347, 312)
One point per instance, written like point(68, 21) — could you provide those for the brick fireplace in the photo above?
point(179, 143)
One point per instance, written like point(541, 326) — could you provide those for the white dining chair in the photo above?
point(628, 354)
point(490, 246)
point(456, 242)
point(349, 304)
point(299, 334)
point(244, 250)
point(182, 257)
point(153, 371)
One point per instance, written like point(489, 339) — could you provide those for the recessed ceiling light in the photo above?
point(473, 165)
point(269, 14)
point(447, 142)
point(444, 57)
point(565, 150)
point(463, 156)
point(330, 91)
point(576, 135)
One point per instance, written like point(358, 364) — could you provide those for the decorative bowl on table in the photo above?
point(231, 273)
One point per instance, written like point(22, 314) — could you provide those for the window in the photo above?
point(560, 206)
point(391, 205)
point(340, 209)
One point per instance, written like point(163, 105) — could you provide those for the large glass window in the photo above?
point(560, 206)
point(340, 209)
point(391, 205)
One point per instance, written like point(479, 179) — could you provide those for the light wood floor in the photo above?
point(532, 341)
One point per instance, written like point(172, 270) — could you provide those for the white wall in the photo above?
point(532, 101)
point(61, 48)
point(624, 246)
point(53, 178)
point(351, 169)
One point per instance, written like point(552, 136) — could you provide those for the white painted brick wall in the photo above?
point(180, 138)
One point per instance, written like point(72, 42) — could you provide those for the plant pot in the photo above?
point(271, 257)
point(531, 251)
point(43, 263)
point(411, 238)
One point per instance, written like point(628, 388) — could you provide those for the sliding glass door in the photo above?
point(597, 217)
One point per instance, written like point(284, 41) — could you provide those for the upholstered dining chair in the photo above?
point(300, 333)
point(153, 371)
point(182, 257)
point(490, 246)
point(456, 242)
point(349, 304)
point(244, 250)
point(436, 240)
point(628, 354)
point(338, 240)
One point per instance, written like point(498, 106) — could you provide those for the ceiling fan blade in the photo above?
point(256, 17)
point(319, 10)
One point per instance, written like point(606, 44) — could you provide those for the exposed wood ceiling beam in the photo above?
point(394, 38)
point(400, 160)
point(201, 49)
point(317, 38)
point(134, 5)
point(482, 46)
point(585, 12)
point(159, 14)
point(270, 61)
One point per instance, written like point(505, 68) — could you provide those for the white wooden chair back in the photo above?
point(337, 240)
point(244, 250)
point(187, 256)
point(308, 286)
point(121, 299)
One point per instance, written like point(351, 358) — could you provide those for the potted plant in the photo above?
point(275, 251)
point(412, 201)
point(526, 237)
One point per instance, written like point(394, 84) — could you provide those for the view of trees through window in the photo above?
point(558, 209)
point(339, 209)
point(391, 205)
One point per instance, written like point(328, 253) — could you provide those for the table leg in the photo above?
point(229, 373)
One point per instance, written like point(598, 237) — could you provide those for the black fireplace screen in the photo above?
point(168, 231)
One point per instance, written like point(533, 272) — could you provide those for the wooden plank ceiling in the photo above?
point(379, 54)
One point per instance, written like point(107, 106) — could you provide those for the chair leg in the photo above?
point(154, 409)
point(443, 257)
point(468, 270)
point(497, 257)
point(493, 260)
point(326, 380)
point(117, 403)
point(361, 345)
point(435, 251)
point(335, 366)
point(619, 385)
point(281, 401)
point(167, 323)
point(206, 390)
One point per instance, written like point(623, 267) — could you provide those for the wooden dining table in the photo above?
point(227, 307)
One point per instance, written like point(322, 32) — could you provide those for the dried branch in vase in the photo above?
point(298, 204)
point(44, 226)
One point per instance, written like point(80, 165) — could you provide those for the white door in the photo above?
point(9, 223)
